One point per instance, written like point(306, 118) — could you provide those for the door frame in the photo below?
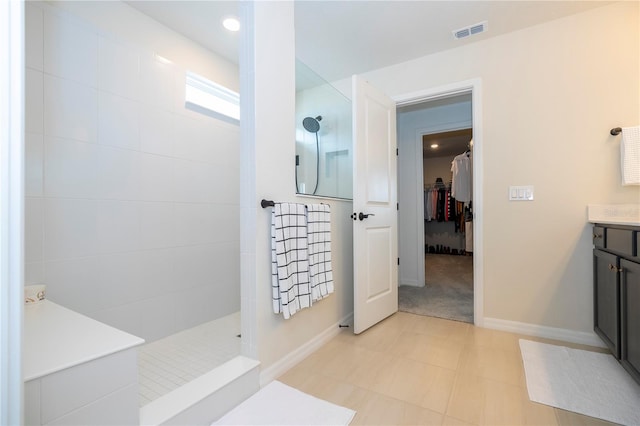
point(473, 86)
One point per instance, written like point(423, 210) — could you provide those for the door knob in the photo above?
point(363, 216)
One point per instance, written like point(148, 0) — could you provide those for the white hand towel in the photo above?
point(291, 290)
point(319, 235)
point(630, 153)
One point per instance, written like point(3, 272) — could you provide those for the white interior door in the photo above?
point(375, 225)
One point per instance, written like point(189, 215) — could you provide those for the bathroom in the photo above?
point(556, 276)
point(132, 215)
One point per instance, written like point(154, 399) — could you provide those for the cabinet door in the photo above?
point(630, 317)
point(606, 299)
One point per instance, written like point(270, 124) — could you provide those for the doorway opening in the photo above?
point(441, 252)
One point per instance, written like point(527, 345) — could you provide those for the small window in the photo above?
point(210, 98)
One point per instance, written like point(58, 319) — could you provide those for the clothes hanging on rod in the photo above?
point(462, 177)
point(441, 206)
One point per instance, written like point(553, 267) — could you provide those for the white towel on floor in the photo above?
point(630, 152)
point(289, 259)
point(319, 236)
point(279, 404)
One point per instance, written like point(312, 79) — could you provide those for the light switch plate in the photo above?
point(521, 193)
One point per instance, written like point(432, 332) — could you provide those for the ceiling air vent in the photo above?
point(470, 30)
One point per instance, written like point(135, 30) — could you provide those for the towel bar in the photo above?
point(616, 131)
point(267, 203)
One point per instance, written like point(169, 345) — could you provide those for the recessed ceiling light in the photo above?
point(231, 23)
point(434, 145)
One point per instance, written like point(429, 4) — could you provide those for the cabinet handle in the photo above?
point(614, 268)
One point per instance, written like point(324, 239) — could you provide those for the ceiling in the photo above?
point(449, 144)
point(340, 38)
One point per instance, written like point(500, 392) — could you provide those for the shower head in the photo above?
point(312, 124)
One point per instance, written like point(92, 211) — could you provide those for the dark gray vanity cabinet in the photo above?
point(606, 296)
point(630, 317)
point(616, 292)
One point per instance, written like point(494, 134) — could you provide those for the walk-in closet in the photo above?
point(446, 142)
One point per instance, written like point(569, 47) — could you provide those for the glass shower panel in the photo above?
point(324, 162)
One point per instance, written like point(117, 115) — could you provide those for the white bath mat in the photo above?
point(589, 383)
point(279, 404)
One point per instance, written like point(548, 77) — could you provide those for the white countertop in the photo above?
point(56, 338)
point(614, 214)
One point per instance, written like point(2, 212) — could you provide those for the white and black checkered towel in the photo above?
point(319, 234)
point(289, 259)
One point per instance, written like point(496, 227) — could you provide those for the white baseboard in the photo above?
point(292, 358)
point(572, 336)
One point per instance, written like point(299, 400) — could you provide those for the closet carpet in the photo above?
point(448, 292)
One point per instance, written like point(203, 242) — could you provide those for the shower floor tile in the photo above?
point(168, 363)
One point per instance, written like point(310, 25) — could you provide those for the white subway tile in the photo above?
point(118, 408)
point(71, 168)
point(226, 279)
point(194, 223)
point(118, 121)
point(70, 110)
point(34, 95)
point(193, 182)
point(194, 306)
point(74, 284)
point(194, 266)
point(156, 82)
point(120, 279)
point(156, 179)
point(126, 318)
point(34, 164)
point(32, 403)
point(226, 222)
point(226, 142)
point(156, 131)
point(117, 226)
point(159, 317)
point(33, 229)
point(70, 49)
point(157, 272)
point(222, 184)
point(33, 273)
point(179, 85)
point(192, 140)
point(70, 228)
point(33, 36)
point(118, 68)
point(119, 172)
point(72, 388)
point(157, 227)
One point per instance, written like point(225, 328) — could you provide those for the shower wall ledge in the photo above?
point(77, 369)
point(56, 338)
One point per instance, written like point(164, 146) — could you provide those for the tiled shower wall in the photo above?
point(132, 205)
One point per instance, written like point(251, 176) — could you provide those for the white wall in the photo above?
point(551, 93)
point(411, 126)
point(269, 150)
point(132, 207)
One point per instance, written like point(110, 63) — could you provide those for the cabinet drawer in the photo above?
point(598, 236)
point(620, 241)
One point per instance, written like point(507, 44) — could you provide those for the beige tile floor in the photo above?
point(418, 370)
